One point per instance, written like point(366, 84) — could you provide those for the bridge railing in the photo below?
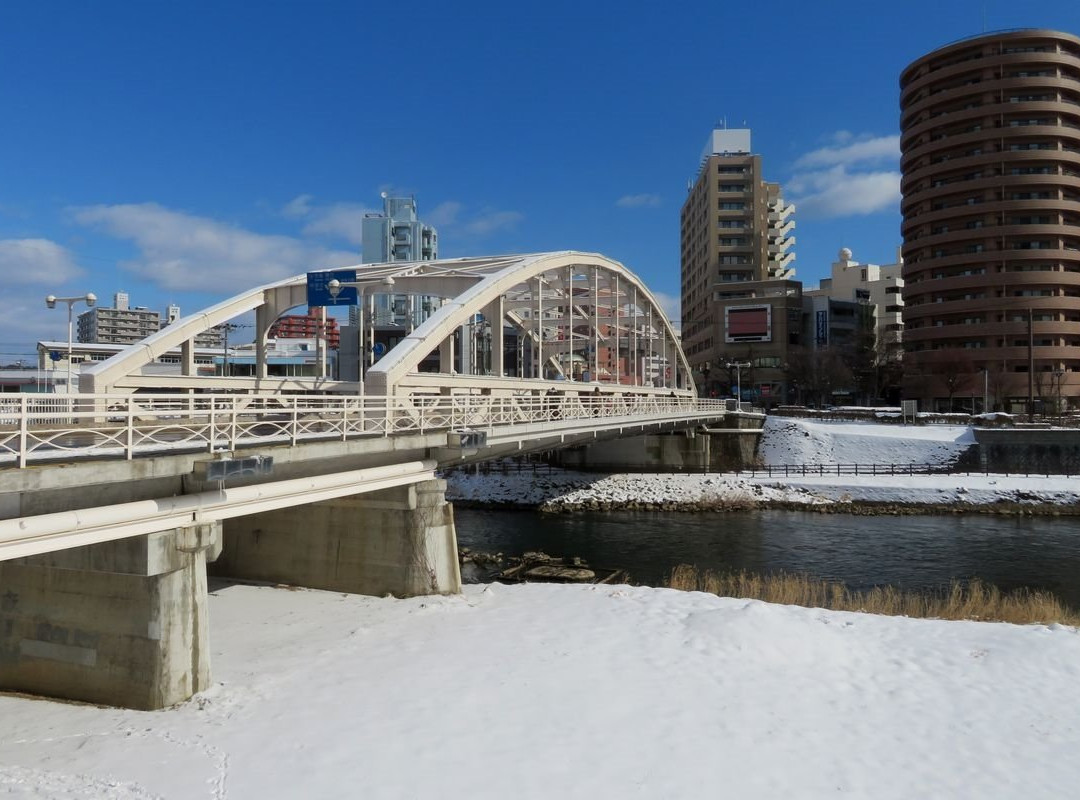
point(123, 426)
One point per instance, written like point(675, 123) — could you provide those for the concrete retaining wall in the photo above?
point(1053, 452)
point(397, 541)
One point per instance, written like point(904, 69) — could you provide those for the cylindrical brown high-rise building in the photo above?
point(990, 158)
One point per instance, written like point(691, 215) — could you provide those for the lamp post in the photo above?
point(738, 375)
point(51, 300)
point(335, 286)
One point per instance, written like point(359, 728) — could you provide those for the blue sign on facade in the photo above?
point(319, 293)
point(822, 327)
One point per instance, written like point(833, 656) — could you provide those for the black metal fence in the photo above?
point(516, 467)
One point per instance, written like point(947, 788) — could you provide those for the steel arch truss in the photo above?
point(501, 325)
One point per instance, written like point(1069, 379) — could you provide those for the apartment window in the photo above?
point(732, 206)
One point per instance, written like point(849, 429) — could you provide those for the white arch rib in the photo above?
point(471, 283)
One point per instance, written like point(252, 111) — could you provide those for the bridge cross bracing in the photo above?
point(518, 324)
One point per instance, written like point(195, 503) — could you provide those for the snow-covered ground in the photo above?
point(789, 441)
point(540, 691)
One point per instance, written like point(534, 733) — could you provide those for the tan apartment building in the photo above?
point(990, 143)
point(739, 302)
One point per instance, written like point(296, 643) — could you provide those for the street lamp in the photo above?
point(738, 375)
point(51, 300)
point(335, 286)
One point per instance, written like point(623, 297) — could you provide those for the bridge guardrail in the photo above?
point(122, 426)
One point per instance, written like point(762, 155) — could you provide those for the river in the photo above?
point(910, 552)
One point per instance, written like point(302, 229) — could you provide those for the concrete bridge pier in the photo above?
point(121, 623)
point(399, 541)
point(730, 445)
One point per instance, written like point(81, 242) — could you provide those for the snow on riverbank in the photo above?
point(791, 440)
point(787, 441)
point(541, 691)
point(559, 490)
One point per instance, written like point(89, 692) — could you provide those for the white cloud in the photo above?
point(31, 269)
point(638, 201)
point(490, 221)
point(867, 150)
point(857, 175)
point(299, 206)
point(838, 193)
point(671, 306)
point(444, 214)
point(339, 220)
point(36, 261)
point(342, 221)
point(182, 251)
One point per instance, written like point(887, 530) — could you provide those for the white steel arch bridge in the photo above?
point(572, 318)
point(567, 339)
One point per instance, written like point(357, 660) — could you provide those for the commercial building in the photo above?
point(990, 143)
point(397, 234)
point(880, 286)
point(739, 302)
point(119, 324)
point(307, 326)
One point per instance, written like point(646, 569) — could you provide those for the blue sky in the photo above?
point(183, 151)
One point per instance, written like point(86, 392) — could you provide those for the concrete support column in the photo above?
point(187, 357)
point(263, 321)
point(121, 623)
point(495, 314)
point(398, 541)
point(446, 355)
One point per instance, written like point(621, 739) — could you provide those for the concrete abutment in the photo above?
point(121, 623)
point(398, 541)
point(730, 446)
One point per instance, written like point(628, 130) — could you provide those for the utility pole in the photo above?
point(1031, 364)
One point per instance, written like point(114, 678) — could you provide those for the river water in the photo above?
point(910, 552)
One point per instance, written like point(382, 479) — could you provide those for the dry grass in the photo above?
point(974, 600)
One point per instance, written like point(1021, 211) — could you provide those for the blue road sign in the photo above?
point(379, 349)
point(318, 288)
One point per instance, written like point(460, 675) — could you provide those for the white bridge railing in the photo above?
point(35, 428)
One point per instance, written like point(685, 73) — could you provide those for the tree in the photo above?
point(816, 373)
point(954, 370)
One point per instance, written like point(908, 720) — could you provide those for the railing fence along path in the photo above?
point(122, 426)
